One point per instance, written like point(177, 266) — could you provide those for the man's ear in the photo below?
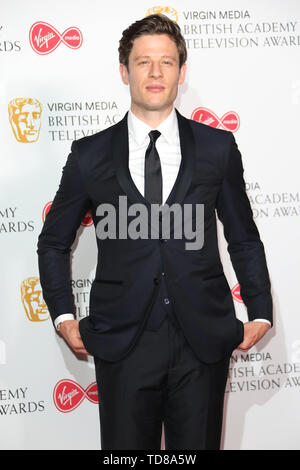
point(124, 74)
point(182, 73)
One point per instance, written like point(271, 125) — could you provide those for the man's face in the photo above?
point(154, 74)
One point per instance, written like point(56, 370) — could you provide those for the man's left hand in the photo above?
point(253, 332)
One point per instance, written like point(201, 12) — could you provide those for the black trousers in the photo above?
point(161, 381)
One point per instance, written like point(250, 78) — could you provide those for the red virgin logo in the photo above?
point(68, 395)
point(46, 210)
point(230, 121)
point(236, 294)
point(44, 38)
point(87, 220)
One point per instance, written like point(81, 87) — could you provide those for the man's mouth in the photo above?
point(155, 88)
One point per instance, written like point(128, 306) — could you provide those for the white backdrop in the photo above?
point(243, 59)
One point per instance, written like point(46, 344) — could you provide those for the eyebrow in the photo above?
point(148, 57)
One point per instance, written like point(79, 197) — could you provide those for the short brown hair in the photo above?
point(152, 24)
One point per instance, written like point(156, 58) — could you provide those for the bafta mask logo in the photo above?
point(32, 300)
point(25, 119)
point(170, 12)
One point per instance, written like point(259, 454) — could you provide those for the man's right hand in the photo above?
point(69, 330)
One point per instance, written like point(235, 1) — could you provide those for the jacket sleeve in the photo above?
point(245, 247)
point(68, 208)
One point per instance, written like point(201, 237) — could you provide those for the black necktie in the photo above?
point(153, 176)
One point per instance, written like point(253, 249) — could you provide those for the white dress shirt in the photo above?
point(168, 147)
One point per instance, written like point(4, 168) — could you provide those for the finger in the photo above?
point(75, 344)
point(245, 345)
point(244, 349)
point(80, 351)
point(78, 345)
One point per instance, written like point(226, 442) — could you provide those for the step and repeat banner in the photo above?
point(59, 82)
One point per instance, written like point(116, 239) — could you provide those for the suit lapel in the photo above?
point(185, 173)
point(120, 151)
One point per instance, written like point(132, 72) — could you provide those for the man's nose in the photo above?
point(156, 70)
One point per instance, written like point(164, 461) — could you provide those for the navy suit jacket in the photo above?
point(128, 271)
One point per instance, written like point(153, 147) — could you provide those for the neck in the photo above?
point(152, 118)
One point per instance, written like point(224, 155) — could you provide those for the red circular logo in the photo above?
point(236, 293)
point(44, 38)
point(230, 121)
point(68, 395)
point(46, 210)
point(87, 221)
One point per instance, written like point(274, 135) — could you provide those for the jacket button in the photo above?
point(156, 280)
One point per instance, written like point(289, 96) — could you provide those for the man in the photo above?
point(162, 324)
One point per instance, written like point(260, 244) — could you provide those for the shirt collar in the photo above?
point(139, 130)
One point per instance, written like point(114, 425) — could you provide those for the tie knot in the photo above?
point(154, 135)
